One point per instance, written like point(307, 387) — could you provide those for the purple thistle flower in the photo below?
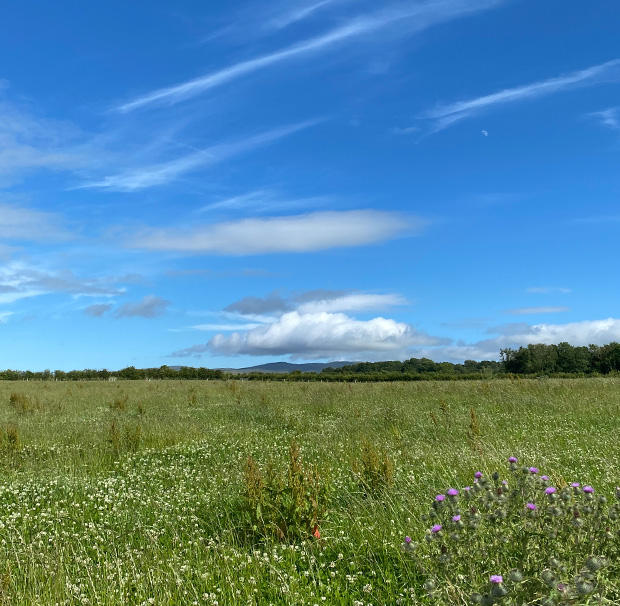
point(512, 459)
point(452, 492)
point(549, 490)
point(456, 519)
point(545, 478)
point(588, 489)
point(440, 497)
point(533, 469)
point(575, 484)
point(478, 474)
point(436, 528)
point(531, 506)
point(407, 540)
point(497, 578)
point(468, 488)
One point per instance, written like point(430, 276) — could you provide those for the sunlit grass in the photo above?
point(132, 492)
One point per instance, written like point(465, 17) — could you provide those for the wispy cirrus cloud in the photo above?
point(264, 200)
point(22, 223)
point(163, 173)
point(289, 234)
point(609, 117)
point(297, 13)
point(446, 115)
point(524, 311)
point(546, 290)
point(418, 17)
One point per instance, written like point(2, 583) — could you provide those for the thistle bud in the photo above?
point(584, 587)
point(516, 576)
point(594, 563)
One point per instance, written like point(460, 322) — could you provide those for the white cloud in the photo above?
point(445, 115)
point(97, 310)
point(298, 13)
point(20, 280)
point(162, 173)
point(584, 333)
point(320, 335)
point(4, 315)
point(537, 310)
point(19, 223)
point(352, 302)
point(418, 16)
point(28, 142)
point(292, 234)
point(608, 117)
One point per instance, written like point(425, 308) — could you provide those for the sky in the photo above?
point(230, 183)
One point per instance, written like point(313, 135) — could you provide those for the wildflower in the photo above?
point(588, 489)
point(531, 506)
point(452, 492)
point(575, 484)
point(533, 469)
point(407, 540)
point(439, 498)
point(316, 532)
point(549, 490)
point(456, 519)
point(468, 488)
point(544, 478)
point(436, 528)
point(512, 459)
point(497, 578)
point(478, 474)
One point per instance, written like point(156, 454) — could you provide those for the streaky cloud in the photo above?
point(162, 173)
point(289, 234)
point(425, 14)
point(445, 115)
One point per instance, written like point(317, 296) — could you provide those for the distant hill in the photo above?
point(287, 367)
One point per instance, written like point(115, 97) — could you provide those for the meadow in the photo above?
point(188, 492)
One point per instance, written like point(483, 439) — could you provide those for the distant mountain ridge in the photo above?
point(287, 367)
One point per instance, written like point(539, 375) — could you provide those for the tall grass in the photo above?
point(136, 492)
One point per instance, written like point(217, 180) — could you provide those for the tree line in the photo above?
point(562, 359)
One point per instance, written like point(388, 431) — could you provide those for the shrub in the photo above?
point(288, 505)
point(521, 540)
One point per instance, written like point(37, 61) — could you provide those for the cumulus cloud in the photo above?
point(320, 335)
point(314, 301)
point(150, 307)
point(290, 234)
point(352, 302)
point(521, 334)
point(96, 311)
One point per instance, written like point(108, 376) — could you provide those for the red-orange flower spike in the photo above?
point(316, 532)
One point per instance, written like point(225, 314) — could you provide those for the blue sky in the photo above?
point(231, 183)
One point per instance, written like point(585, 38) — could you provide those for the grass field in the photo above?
point(133, 492)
